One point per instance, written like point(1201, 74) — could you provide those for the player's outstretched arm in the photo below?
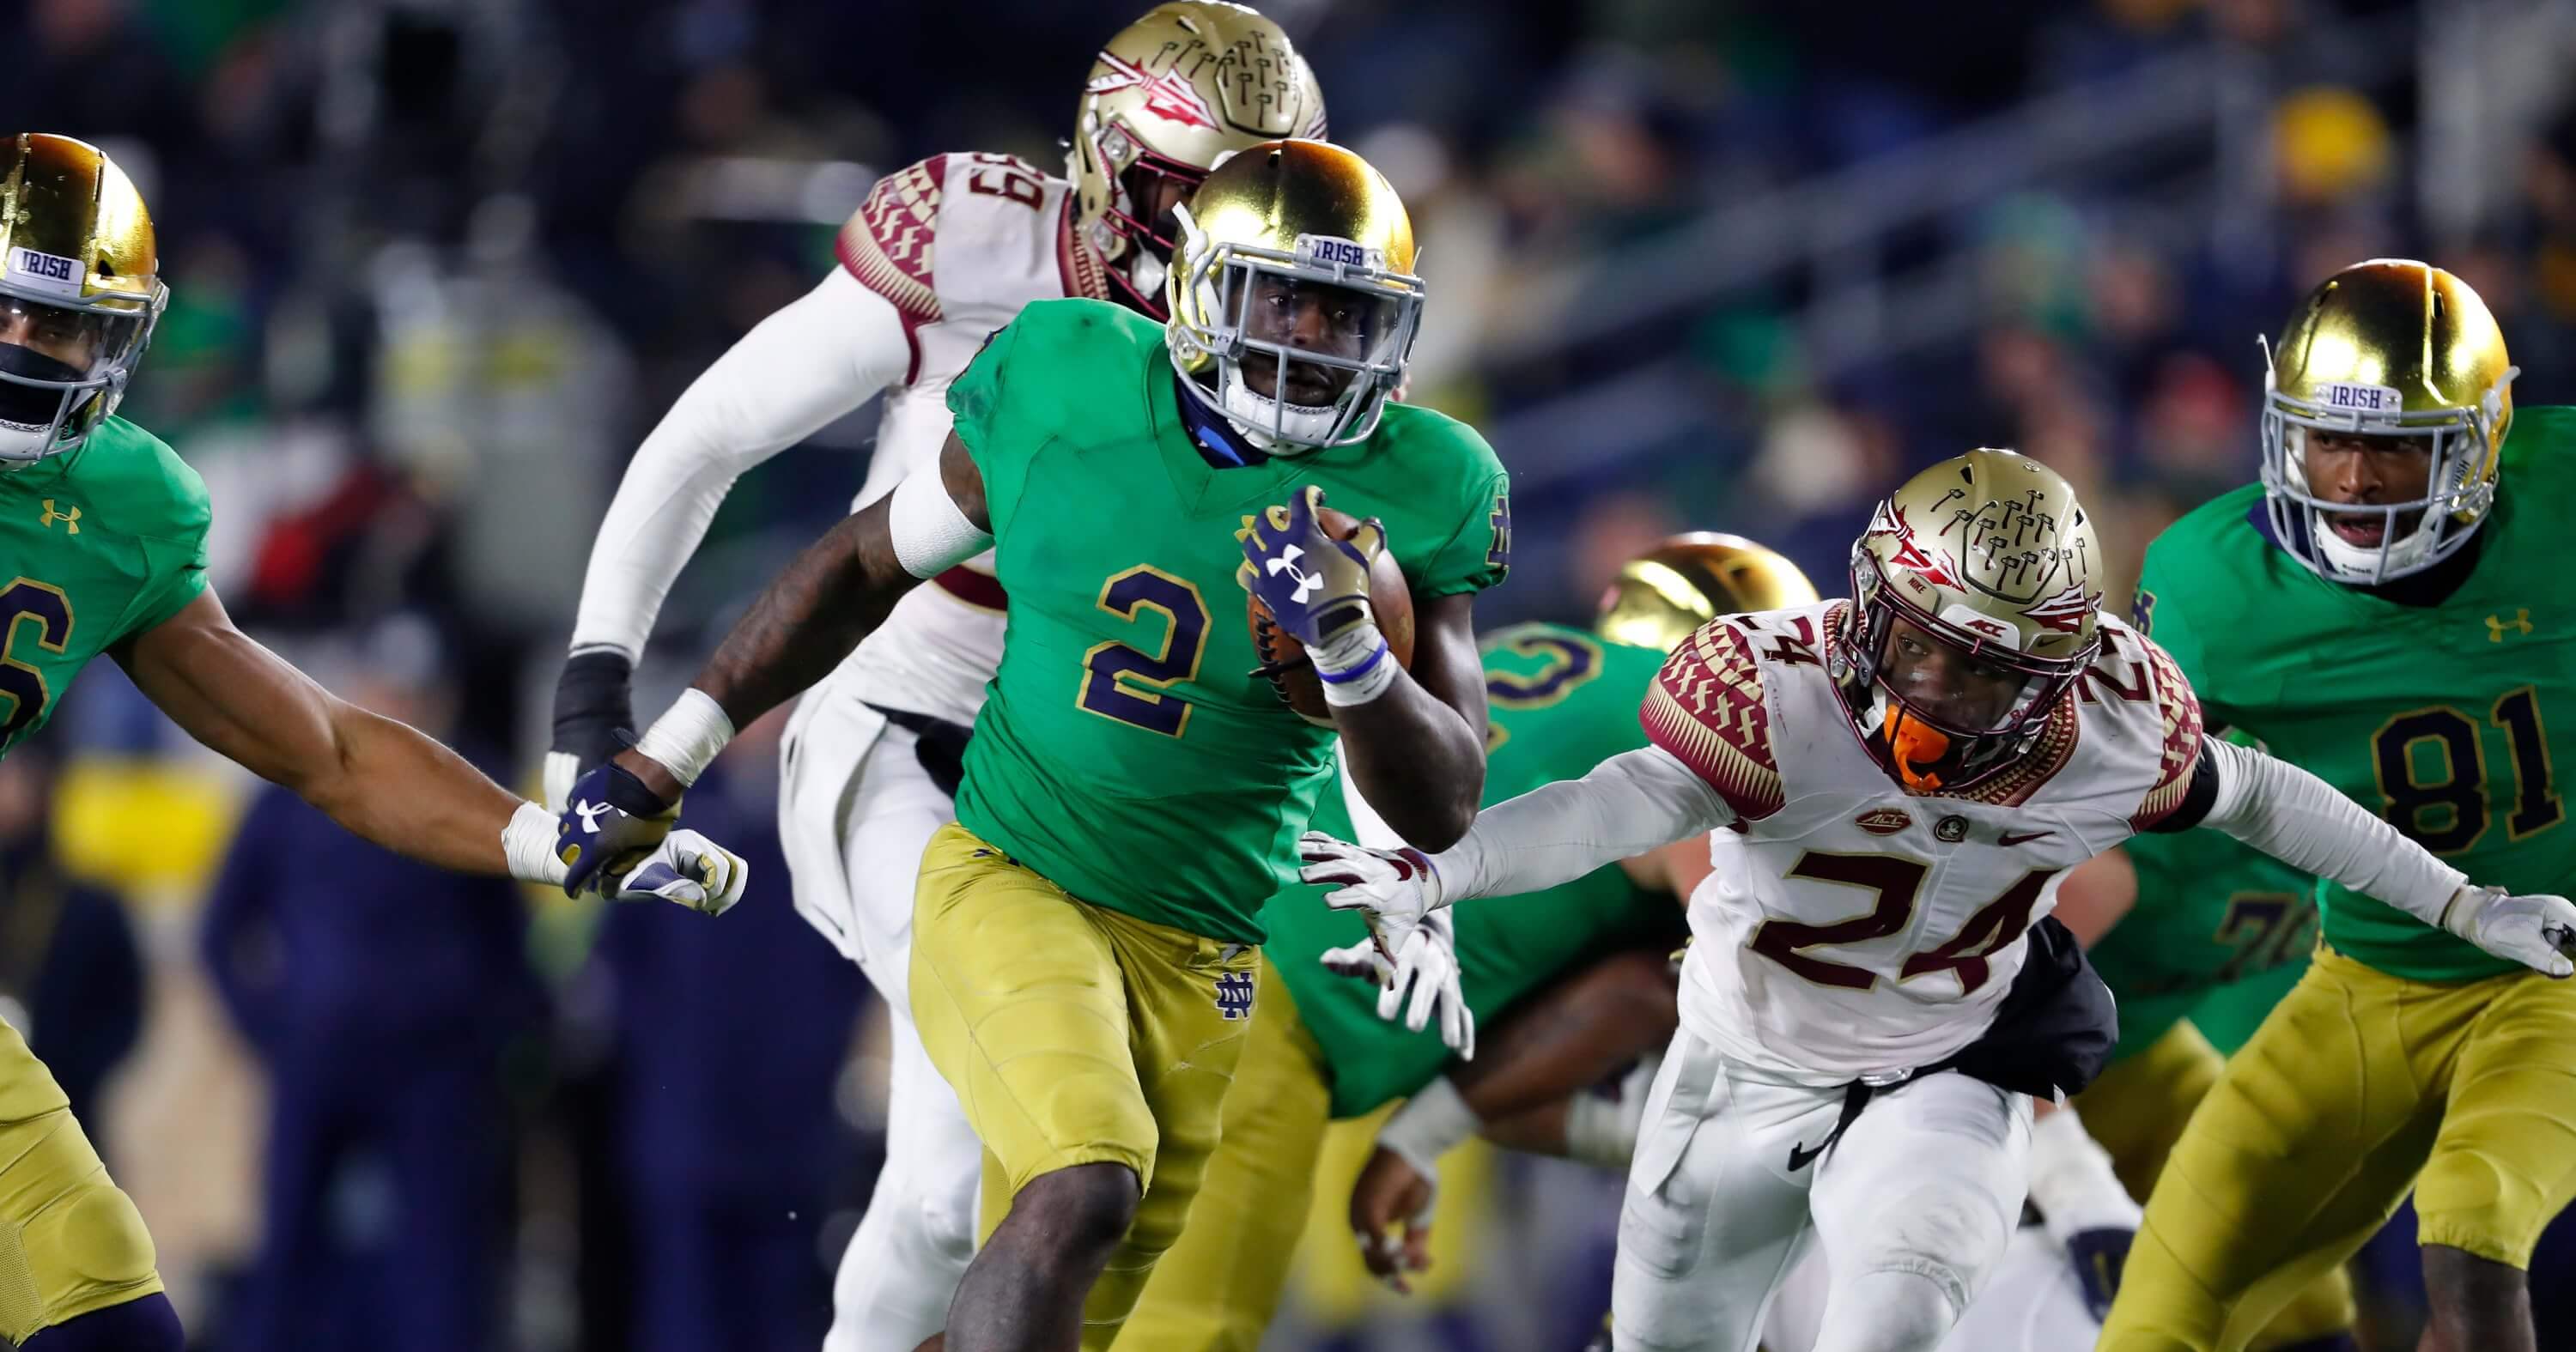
point(1631, 804)
point(807, 620)
point(2299, 819)
point(383, 780)
point(820, 356)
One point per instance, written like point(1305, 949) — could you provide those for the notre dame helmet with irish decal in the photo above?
point(1176, 91)
point(1275, 226)
point(1976, 602)
point(2395, 349)
point(1665, 594)
point(80, 268)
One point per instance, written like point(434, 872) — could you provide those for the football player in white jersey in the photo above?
point(942, 253)
point(1892, 785)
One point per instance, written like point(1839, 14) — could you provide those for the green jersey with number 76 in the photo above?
point(1128, 750)
point(2449, 718)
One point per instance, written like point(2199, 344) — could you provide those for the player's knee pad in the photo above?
point(145, 1324)
point(1906, 1308)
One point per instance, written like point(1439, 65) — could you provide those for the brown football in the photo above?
point(1284, 658)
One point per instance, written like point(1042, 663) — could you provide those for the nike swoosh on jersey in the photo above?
point(2009, 838)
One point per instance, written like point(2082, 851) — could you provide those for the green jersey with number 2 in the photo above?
point(1127, 749)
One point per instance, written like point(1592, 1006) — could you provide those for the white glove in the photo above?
point(562, 768)
point(2538, 931)
point(690, 870)
point(1424, 961)
point(1396, 887)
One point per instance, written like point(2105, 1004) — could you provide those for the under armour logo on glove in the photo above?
point(613, 824)
point(1234, 995)
point(1287, 563)
point(1315, 586)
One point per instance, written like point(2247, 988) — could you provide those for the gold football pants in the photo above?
point(2358, 1086)
point(1075, 1034)
point(71, 1242)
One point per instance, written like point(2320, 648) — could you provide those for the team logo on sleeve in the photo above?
point(1234, 995)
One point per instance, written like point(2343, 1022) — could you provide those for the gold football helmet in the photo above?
point(80, 289)
point(1665, 594)
point(1295, 271)
point(1172, 94)
point(2386, 348)
point(1976, 601)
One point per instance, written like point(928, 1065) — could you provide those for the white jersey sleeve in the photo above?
point(815, 360)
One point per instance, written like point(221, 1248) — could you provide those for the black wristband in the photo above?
point(593, 706)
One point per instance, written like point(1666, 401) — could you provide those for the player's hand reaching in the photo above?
point(1422, 960)
point(2538, 931)
point(1392, 1193)
point(2098, 1256)
point(1315, 587)
point(687, 869)
point(610, 821)
point(1396, 887)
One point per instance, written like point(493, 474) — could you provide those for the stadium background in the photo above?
point(438, 264)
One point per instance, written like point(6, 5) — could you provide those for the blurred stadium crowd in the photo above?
point(438, 264)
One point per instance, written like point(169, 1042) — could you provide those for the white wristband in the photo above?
point(528, 846)
point(1356, 667)
point(1432, 1123)
point(931, 533)
point(687, 735)
point(1601, 1131)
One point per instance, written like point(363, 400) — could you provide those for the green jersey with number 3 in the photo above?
point(2448, 719)
point(1127, 749)
point(95, 546)
point(1561, 701)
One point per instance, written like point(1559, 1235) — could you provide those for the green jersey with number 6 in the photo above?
point(96, 545)
point(2449, 719)
point(1561, 701)
point(1128, 750)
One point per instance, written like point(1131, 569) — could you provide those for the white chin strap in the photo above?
point(22, 444)
point(1302, 427)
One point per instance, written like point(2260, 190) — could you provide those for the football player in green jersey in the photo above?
point(2387, 610)
point(1579, 975)
point(1084, 948)
point(103, 540)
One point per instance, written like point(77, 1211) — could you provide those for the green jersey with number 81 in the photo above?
point(1127, 749)
point(2448, 719)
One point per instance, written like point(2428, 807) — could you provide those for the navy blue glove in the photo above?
point(1314, 586)
point(2098, 1256)
point(610, 822)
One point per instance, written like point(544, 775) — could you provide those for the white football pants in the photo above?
point(1912, 1207)
point(2030, 1304)
point(855, 811)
